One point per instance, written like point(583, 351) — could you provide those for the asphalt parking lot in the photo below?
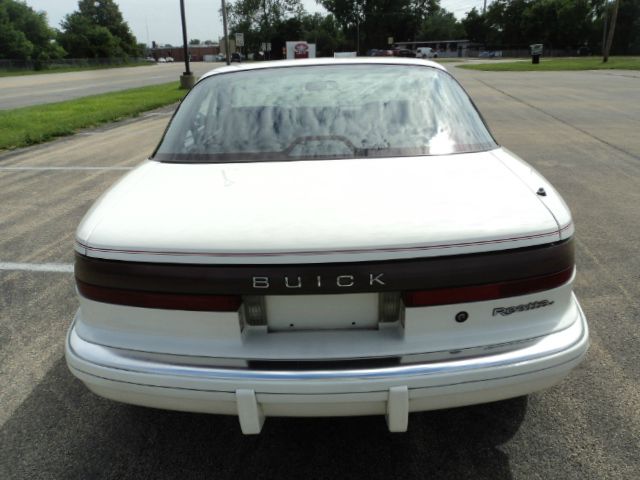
point(580, 129)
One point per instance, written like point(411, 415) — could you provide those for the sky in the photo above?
point(159, 20)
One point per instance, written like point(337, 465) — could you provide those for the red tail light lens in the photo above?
point(477, 293)
point(167, 301)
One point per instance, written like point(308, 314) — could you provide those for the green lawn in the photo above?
point(16, 73)
point(30, 125)
point(557, 64)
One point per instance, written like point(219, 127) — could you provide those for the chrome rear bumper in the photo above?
point(200, 384)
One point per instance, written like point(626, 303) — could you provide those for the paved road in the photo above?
point(578, 129)
point(23, 91)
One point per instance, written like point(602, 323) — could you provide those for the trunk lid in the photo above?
point(316, 211)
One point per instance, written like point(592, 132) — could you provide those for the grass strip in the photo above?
point(20, 72)
point(559, 64)
point(21, 127)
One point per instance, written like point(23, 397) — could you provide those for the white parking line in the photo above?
point(37, 267)
point(72, 168)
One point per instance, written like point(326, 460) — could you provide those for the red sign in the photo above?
point(301, 50)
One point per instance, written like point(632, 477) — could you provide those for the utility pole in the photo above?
point(604, 26)
point(226, 32)
point(612, 28)
point(359, 13)
point(187, 80)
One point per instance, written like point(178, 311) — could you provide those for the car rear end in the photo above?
point(148, 334)
point(361, 281)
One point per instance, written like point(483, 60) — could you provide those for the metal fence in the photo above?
point(526, 52)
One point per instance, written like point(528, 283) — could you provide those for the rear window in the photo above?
point(321, 112)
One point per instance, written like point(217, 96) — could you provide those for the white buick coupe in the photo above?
point(324, 238)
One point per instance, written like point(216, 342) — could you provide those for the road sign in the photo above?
point(239, 39)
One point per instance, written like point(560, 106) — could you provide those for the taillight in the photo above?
point(168, 301)
point(491, 291)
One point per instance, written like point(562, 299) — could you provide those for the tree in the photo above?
point(194, 41)
point(422, 10)
point(263, 21)
point(441, 25)
point(345, 11)
point(503, 18)
point(558, 23)
point(97, 30)
point(325, 32)
point(374, 21)
point(627, 34)
point(518, 23)
point(475, 26)
point(263, 15)
point(25, 34)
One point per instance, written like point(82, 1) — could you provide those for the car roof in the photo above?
point(325, 61)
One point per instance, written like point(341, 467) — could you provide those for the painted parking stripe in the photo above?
point(37, 267)
point(77, 168)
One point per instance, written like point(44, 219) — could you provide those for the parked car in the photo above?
point(220, 58)
point(169, 59)
point(162, 60)
point(426, 52)
point(383, 53)
point(237, 57)
point(404, 52)
point(326, 237)
point(372, 52)
point(487, 54)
